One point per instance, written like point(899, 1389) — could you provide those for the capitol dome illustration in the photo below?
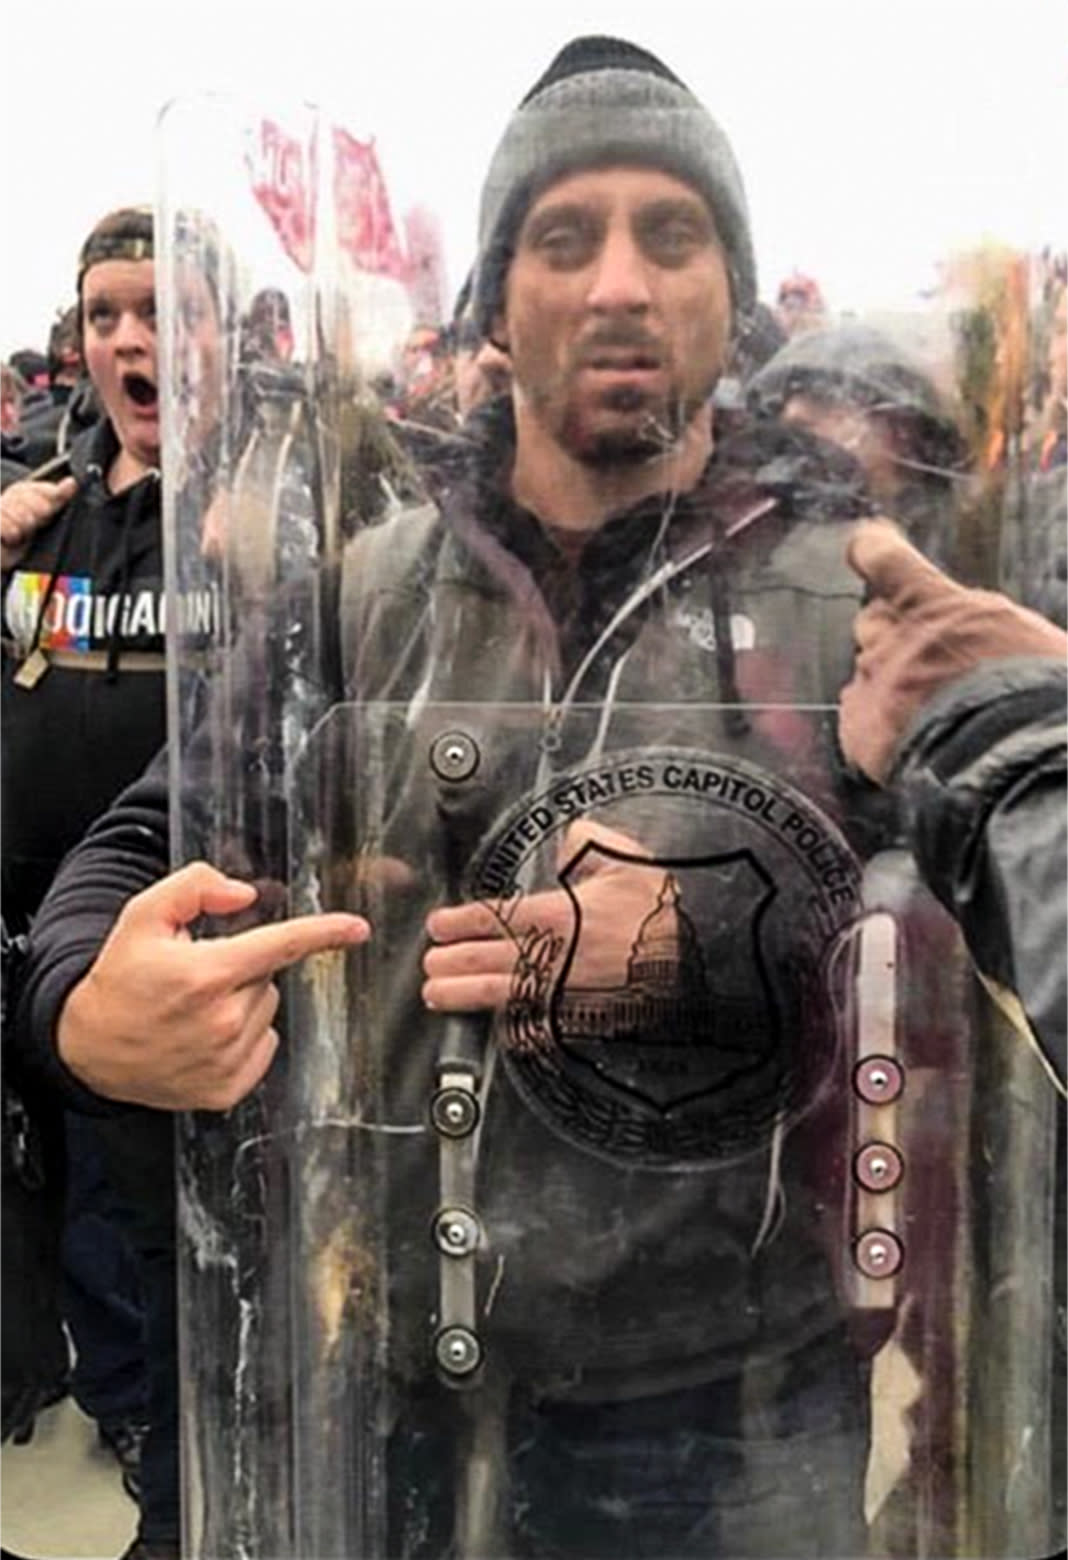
point(666, 952)
point(665, 1000)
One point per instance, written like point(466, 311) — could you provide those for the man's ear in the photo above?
point(498, 333)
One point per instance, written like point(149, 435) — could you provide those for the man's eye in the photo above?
point(101, 315)
point(565, 246)
point(672, 242)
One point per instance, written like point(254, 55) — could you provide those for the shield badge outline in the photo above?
point(668, 1019)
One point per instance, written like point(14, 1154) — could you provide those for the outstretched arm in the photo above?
point(121, 1003)
point(959, 698)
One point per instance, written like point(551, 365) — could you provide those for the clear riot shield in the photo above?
point(658, 1179)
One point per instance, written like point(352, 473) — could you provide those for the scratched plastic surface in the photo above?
point(720, 1221)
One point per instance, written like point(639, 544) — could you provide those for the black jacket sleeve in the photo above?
point(983, 773)
point(125, 851)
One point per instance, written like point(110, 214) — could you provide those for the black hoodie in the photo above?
point(88, 592)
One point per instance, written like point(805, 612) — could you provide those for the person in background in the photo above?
point(480, 369)
point(854, 386)
point(799, 305)
point(83, 711)
point(66, 366)
point(48, 429)
point(35, 399)
point(12, 390)
point(32, 366)
point(267, 329)
point(427, 394)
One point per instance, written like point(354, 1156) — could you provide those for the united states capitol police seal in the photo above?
point(719, 1024)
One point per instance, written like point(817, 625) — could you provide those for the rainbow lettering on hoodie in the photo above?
point(80, 618)
point(68, 618)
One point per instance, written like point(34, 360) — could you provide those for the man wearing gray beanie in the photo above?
point(601, 1004)
point(655, 1372)
point(606, 103)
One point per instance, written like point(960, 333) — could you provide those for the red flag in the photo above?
point(282, 170)
point(426, 264)
point(365, 227)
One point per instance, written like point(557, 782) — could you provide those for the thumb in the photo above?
point(65, 491)
point(178, 899)
point(58, 494)
point(893, 568)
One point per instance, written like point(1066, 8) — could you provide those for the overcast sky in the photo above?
point(874, 137)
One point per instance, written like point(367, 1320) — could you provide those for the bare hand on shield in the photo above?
point(164, 1020)
point(920, 631)
point(480, 947)
point(24, 509)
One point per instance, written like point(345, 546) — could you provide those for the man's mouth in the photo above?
point(141, 391)
point(622, 360)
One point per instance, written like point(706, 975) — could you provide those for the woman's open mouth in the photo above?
point(141, 391)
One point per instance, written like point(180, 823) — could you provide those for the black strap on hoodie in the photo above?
point(136, 505)
point(63, 549)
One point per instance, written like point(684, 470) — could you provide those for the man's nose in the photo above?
point(621, 276)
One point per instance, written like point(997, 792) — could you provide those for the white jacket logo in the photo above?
point(701, 628)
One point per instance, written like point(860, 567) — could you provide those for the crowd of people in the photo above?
point(604, 418)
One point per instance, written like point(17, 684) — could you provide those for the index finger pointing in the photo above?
point(894, 569)
point(257, 954)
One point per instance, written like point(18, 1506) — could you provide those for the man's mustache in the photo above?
point(620, 337)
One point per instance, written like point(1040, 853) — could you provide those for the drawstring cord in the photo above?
point(735, 719)
point(775, 1200)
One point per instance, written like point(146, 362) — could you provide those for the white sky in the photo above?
point(875, 136)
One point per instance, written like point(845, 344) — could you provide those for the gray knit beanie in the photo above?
point(604, 102)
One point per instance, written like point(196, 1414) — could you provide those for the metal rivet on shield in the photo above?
point(454, 756)
point(878, 1167)
point(879, 1080)
point(878, 1254)
point(456, 1232)
point(458, 1351)
point(454, 1112)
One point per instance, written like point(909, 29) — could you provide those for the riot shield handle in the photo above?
point(878, 1079)
point(456, 1230)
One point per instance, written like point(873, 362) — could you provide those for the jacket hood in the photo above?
point(93, 451)
point(860, 365)
point(852, 358)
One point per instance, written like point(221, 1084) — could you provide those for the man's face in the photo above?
point(482, 371)
point(119, 314)
point(616, 312)
point(869, 439)
point(420, 364)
